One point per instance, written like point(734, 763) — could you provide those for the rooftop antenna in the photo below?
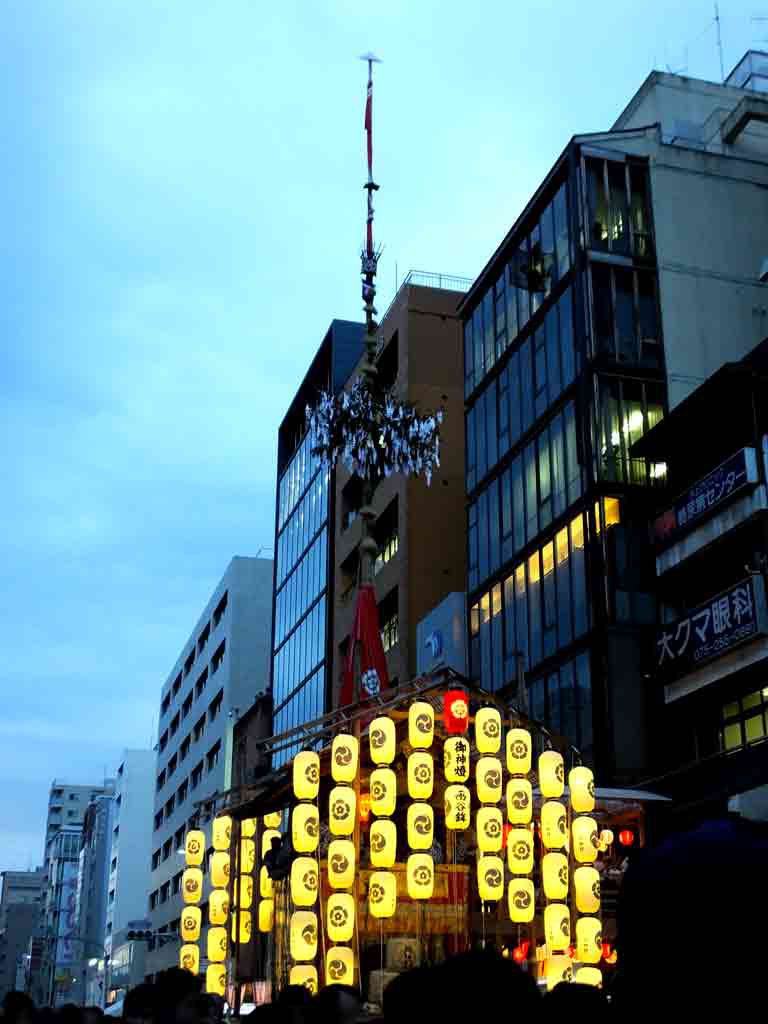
point(719, 42)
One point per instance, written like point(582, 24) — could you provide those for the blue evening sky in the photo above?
point(182, 212)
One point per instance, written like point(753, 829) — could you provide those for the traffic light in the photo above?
point(139, 936)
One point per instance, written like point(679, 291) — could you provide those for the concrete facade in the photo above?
point(19, 919)
point(91, 899)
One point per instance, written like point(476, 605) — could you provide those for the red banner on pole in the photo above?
point(366, 637)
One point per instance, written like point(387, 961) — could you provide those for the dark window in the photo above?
point(178, 839)
point(387, 364)
point(176, 684)
point(189, 662)
point(160, 780)
point(184, 748)
point(181, 792)
point(158, 820)
point(201, 681)
point(164, 892)
point(167, 848)
point(163, 741)
point(170, 804)
point(186, 707)
point(215, 706)
point(389, 619)
point(172, 764)
point(219, 610)
point(212, 757)
point(155, 859)
point(218, 657)
point(351, 501)
point(166, 704)
point(153, 899)
point(202, 640)
point(197, 775)
point(197, 732)
point(175, 724)
point(471, 451)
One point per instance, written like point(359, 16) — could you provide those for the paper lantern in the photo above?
point(626, 837)
point(305, 975)
point(220, 869)
point(554, 832)
point(339, 966)
point(191, 919)
point(341, 863)
point(589, 976)
point(382, 894)
point(585, 839)
point(245, 892)
point(554, 874)
point(456, 759)
point(519, 801)
point(383, 740)
point(216, 980)
point(519, 748)
point(457, 807)
point(490, 878)
point(551, 774)
point(345, 754)
point(189, 958)
point(605, 839)
point(383, 844)
point(222, 832)
point(218, 906)
point(489, 827)
point(421, 775)
point(558, 969)
point(488, 780)
point(217, 945)
point(266, 915)
point(248, 828)
point(340, 917)
point(305, 828)
point(421, 826)
point(455, 711)
point(247, 855)
point(520, 851)
point(273, 820)
point(589, 940)
point(306, 775)
point(341, 811)
point(266, 887)
point(383, 792)
point(586, 883)
point(557, 926)
point(303, 935)
point(488, 731)
point(304, 881)
point(521, 900)
point(420, 876)
point(194, 848)
point(421, 725)
point(242, 927)
point(192, 885)
point(581, 783)
point(365, 807)
point(266, 840)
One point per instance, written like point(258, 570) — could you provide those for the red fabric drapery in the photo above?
point(366, 638)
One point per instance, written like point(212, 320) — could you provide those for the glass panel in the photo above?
point(482, 451)
point(496, 629)
point(507, 544)
point(522, 286)
point(559, 497)
point(531, 497)
point(500, 302)
point(494, 539)
point(512, 326)
point(732, 736)
point(485, 640)
point(569, 716)
point(554, 718)
point(578, 578)
point(619, 219)
point(598, 207)
point(536, 700)
point(550, 599)
point(602, 315)
point(477, 339)
point(584, 705)
point(561, 232)
point(571, 454)
point(611, 511)
point(482, 528)
point(526, 382)
point(752, 700)
point(554, 382)
point(534, 608)
point(638, 212)
point(545, 488)
point(492, 437)
point(650, 340)
point(471, 457)
point(510, 640)
point(488, 330)
point(503, 414)
point(469, 364)
point(535, 269)
point(540, 371)
point(548, 249)
point(625, 315)
point(754, 728)
point(564, 630)
point(521, 614)
point(612, 467)
point(518, 503)
point(515, 410)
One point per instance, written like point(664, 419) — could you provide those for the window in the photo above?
point(197, 775)
point(170, 803)
point(155, 859)
point(200, 684)
point(386, 534)
point(176, 883)
point(153, 897)
point(160, 780)
point(351, 501)
point(387, 364)
point(178, 839)
point(166, 704)
point(167, 848)
point(164, 892)
point(202, 640)
point(163, 741)
point(74, 796)
point(172, 765)
point(197, 732)
point(176, 684)
point(616, 192)
point(113, 865)
point(212, 757)
point(215, 706)
point(625, 319)
point(186, 707)
point(175, 723)
point(184, 748)
point(388, 619)
point(158, 820)
point(71, 814)
point(627, 409)
point(218, 657)
point(189, 662)
point(181, 792)
point(219, 610)
point(743, 721)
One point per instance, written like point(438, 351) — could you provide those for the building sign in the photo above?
point(724, 622)
point(736, 473)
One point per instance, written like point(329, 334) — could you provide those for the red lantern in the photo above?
point(365, 807)
point(455, 711)
point(507, 830)
point(626, 837)
point(609, 955)
point(520, 953)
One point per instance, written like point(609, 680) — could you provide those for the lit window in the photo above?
point(548, 558)
point(485, 608)
point(496, 600)
point(743, 721)
point(561, 546)
point(577, 532)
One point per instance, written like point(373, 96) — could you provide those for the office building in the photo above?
point(19, 918)
point(91, 892)
point(631, 275)
point(221, 671)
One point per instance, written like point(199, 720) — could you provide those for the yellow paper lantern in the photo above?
point(345, 755)
point(586, 883)
point(488, 780)
point(222, 832)
point(519, 801)
point(341, 863)
point(589, 976)
point(383, 792)
point(339, 966)
point(421, 826)
point(488, 731)
point(420, 876)
point(557, 970)
point(554, 831)
point(519, 748)
point(456, 759)
point(421, 775)
point(490, 829)
point(340, 917)
point(242, 927)
point(581, 783)
point(192, 885)
point(303, 935)
point(305, 975)
point(304, 881)
point(457, 807)
point(305, 828)
point(245, 892)
point(585, 839)
point(220, 869)
point(248, 828)
point(521, 900)
point(191, 919)
point(589, 940)
point(382, 894)
point(217, 945)
point(306, 775)
point(557, 926)
point(266, 886)
point(554, 874)
point(189, 958)
point(551, 774)
point(247, 855)
point(218, 906)
point(520, 851)
point(266, 915)
point(216, 980)
point(273, 820)
point(490, 878)
point(421, 725)
point(341, 811)
point(382, 738)
point(383, 843)
point(266, 840)
point(194, 848)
